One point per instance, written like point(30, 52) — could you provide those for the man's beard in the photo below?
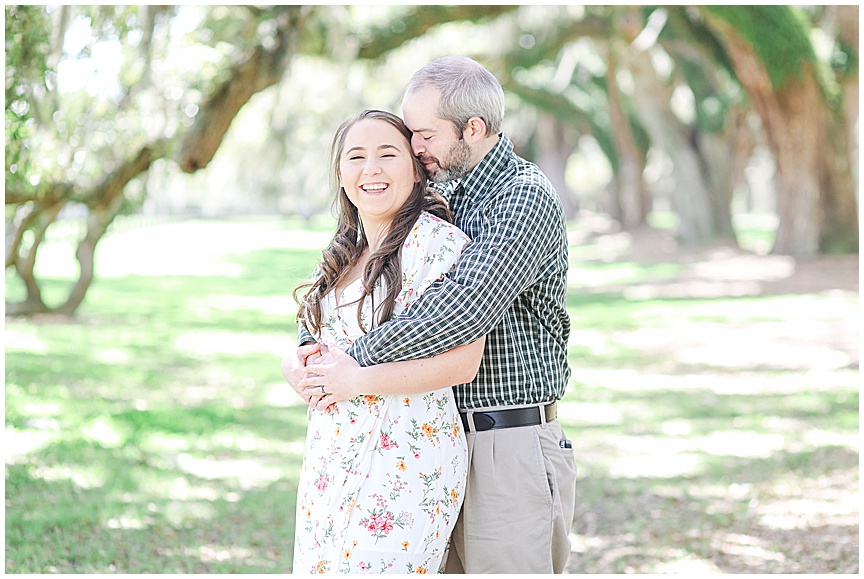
point(455, 165)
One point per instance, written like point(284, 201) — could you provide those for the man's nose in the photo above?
point(417, 145)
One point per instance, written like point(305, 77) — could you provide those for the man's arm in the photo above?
point(343, 378)
point(522, 229)
point(304, 336)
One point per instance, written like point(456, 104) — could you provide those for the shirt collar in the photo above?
point(490, 168)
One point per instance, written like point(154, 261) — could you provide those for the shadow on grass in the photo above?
point(735, 517)
point(180, 490)
point(154, 433)
point(58, 527)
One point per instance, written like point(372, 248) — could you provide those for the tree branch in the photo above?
point(415, 23)
point(112, 186)
point(263, 68)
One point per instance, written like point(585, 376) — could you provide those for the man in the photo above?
point(510, 285)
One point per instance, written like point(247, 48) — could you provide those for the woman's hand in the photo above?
point(338, 373)
point(294, 364)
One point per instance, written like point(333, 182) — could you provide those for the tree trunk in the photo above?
point(97, 224)
point(726, 155)
point(43, 215)
point(815, 188)
point(691, 196)
point(263, 68)
point(630, 195)
point(553, 151)
point(847, 22)
point(838, 227)
point(839, 230)
point(793, 135)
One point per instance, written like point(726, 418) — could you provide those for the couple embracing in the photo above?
point(433, 347)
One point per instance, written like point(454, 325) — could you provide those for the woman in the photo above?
point(383, 475)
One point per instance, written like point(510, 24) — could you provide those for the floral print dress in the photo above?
point(383, 477)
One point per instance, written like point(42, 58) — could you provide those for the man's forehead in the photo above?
point(422, 115)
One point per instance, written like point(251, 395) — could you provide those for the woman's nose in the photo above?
point(372, 167)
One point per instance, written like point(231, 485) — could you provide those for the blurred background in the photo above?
point(167, 187)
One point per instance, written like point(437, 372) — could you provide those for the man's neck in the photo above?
point(483, 148)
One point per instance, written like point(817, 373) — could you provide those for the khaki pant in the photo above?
point(519, 503)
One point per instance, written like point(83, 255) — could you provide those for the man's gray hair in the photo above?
point(467, 90)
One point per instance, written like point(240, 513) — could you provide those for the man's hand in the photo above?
point(294, 365)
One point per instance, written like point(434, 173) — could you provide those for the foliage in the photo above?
point(27, 80)
point(704, 66)
point(779, 34)
point(155, 434)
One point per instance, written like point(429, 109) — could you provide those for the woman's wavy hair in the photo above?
point(349, 241)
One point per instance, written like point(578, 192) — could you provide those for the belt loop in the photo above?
point(470, 416)
point(542, 408)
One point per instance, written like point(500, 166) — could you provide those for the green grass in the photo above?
point(154, 433)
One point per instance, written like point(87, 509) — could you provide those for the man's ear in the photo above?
point(475, 130)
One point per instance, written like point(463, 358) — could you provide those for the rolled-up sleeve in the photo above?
point(304, 336)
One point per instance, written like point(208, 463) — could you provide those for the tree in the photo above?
point(626, 123)
point(37, 190)
point(631, 195)
point(805, 121)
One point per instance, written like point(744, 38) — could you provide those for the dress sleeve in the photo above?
point(429, 253)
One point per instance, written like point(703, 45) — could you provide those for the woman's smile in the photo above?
point(374, 188)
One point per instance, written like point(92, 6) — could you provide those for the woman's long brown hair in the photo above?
point(349, 242)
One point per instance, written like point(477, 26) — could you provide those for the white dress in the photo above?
point(383, 477)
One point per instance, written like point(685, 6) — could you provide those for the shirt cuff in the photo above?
point(304, 336)
point(359, 353)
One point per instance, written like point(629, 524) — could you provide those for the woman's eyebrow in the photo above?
point(359, 148)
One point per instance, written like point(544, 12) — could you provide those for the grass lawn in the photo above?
point(714, 413)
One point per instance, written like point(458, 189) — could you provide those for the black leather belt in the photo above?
point(507, 418)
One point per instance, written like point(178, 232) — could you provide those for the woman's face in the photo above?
point(376, 170)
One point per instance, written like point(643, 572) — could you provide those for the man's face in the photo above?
point(444, 153)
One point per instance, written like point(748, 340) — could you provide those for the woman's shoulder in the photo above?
point(434, 226)
point(431, 234)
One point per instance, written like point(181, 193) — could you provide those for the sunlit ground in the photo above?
point(713, 407)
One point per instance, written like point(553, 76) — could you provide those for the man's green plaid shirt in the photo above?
point(510, 284)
